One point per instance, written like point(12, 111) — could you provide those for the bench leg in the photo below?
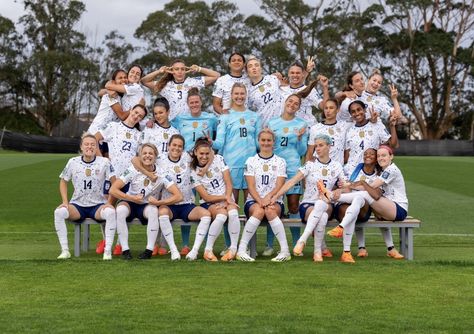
point(77, 240)
point(409, 237)
point(403, 240)
point(253, 245)
point(85, 237)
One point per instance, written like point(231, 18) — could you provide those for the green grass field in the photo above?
point(434, 293)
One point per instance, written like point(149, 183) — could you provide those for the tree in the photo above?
point(61, 74)
point(115, 55)
point(429, 52)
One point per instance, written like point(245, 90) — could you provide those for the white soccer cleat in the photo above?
point(242, 256)
point(64, 255)
point(268, 251)
point(192, 256)
point(107, 256)
point(175, 256)
point(282, 257)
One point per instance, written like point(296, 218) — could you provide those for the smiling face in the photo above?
point(295, 76)
point(202, 153)
point(195, 105)
point(330, 111)
point(266, 141)
point(384, 158)
point(322, 149)
point(147, 156)
point(161, 115)
point(236, 64)
point(370, 156)
point(374, 84)
point(134, 74)
point(357, 113)
point(292, 105)
point(136, 115)
point(358, 84)
point(175, 149)
point(121, 78)
point(238, 96)
point(179, 71)
point(254, 69)
point(88, 147)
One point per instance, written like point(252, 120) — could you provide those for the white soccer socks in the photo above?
point(60, 216)
point(234, 229)
point(122, 228)
point(279, 231)
point(214, 231)
point(109, 215)
point(151, 213)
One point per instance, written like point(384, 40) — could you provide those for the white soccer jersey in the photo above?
point(88, 179)
point(363, 176)
point(133, 94)
point(337, 132)
point(158, 136)
point(306, 108)
point(213, 180)
point(394, 186)
point(105, 114)
point(141, 184)
point(380, 104)
point(180, 172)
point(266, 171)
point(123, 144)
point(265, 98)
point(177, 94)
point(314, 171)
point(223, 87)
point(360, 138)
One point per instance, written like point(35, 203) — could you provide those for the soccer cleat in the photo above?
point(175, 256)
point(326, 253)
point(185, 250)
point(64, 255)
point(282, 257)
point(336, 232)
point(325, 194)
point(346, 257)
point(317, 257)
point(298, 249)
point(162, 251)
point(300, 254)
point(395, 254)
point(362, 252)
point(228, 256)
point(107, 256)
point(209, 256)
point(146, 255)
point(224, 251)
point(99, 249)
point(126, 255)
point(268, 251)
point(117, 250)
point(155, 251)
point(242, 256)
point(192, 256)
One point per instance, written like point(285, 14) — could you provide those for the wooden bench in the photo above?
point(405, 232)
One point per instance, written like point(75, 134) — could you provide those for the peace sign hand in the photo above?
point(310, 65)
point(393, 91)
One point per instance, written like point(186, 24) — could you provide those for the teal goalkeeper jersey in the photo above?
point(236, 138)
point(191, 128)
point(287, 144)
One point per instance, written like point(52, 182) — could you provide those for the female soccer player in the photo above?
point(133, 91)
point(88, 174)
point(140, 201)
point(213, 183)
point(291, 142)
point(161, 132)
point(355, 85)
point(331, 127)
point(314, 210)
point(174, 85)
point(365, 134)
point(221, 100)
point(296, 77)
point(264, 95)
point(391, 185)
point(197, 123)
point(265, 173)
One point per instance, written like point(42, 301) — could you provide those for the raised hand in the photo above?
point(310, 65)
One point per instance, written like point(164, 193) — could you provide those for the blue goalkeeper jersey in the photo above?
point(287, 144)
point(191, 128)
point(236, 138)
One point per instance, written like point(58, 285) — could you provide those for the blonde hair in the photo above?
point(375, 71)
point(238, 85)
point(252, 57)
point(150, 145)
point(266, 130)
point(87, 135)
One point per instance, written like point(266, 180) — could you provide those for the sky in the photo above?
point(103, 16)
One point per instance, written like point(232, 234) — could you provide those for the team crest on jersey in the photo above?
point(128, 135)
point(324, 172)
point(363, 178)
point(88, 172)
point(242, 121)
point(361, 134)
point(285, 130)
point(177, 169)
point(146, 182)
point(179, 87)
point(195, 124)
point(274, 168)
point(209, 174)
point(261, 88)
point(265, 168)
point(165, 135)
point(331, 131)
point(333, 173)
point(369, 99)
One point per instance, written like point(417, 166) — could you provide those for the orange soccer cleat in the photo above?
point(326, 194)
point(117, 250)
point(99, 249)
point(209, 256)
point(395, 254)
point(336, 232)
point(346, 257)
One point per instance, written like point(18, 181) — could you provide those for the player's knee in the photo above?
point(151, 211)
point(164, 211)
point(108, 212)
point(61, 213)
point(122, 212)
